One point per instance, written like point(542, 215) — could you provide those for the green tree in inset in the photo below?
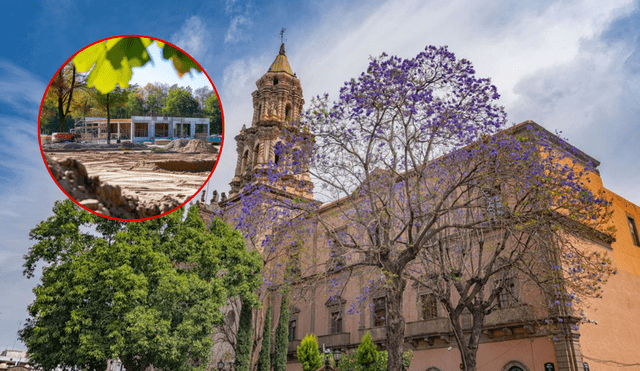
point(106, 102)
point(59, 96)
point(212, 111)
point(180, 103)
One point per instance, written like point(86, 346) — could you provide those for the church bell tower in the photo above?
point(277, 103)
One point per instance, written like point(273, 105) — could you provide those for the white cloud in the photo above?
point(231, 6)
point(193, 37)
point(531, 52)
point(236, 31)
point(19, 89)
point(28, 192)
point(238, 82)
point(593, 100)
point(528, 39)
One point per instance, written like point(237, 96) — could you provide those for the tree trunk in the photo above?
point(62, 118)
point(258, 336)
point(395, 322)
point(468, 347)
point(108, 122)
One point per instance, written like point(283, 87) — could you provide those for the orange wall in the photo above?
point(616, 337)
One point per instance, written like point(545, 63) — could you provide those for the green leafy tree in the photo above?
point(282, 336)
point(264, 362)
point(111, 61)
point(147, 293)
point(202, 94)
point(180, 103)
point(308, 353)
point(155, 96)
point(212, 111)
point(59, 97)
point(135, 103)
point(367, 353)
point(107, 102)
point(349, 361)
point(243, 346)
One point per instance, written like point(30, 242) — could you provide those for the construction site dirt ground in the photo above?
point(149, 175)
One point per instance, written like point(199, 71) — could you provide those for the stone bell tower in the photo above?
point(277, 104)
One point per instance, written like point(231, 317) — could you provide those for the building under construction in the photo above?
point(142, 128)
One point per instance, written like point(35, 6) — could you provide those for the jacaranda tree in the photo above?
point(147, 293)
point(419, 175)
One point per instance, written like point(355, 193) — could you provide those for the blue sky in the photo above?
point(569, 65)
point(162, 70)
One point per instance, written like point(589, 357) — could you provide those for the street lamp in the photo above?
point(326, 358)
point(336, 356)
point(221, 365)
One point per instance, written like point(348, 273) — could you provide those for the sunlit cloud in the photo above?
point(192, 37)
point(237, 29)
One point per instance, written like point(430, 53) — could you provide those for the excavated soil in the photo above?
point(131, 182)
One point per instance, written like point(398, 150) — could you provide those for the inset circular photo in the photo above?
point(131, 127)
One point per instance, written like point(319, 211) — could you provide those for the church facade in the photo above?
point(512, 339)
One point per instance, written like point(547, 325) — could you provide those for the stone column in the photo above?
point(567, 349)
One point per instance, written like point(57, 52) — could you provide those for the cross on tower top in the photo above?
point(282, 35)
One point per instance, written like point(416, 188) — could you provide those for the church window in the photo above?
point(337, 249)
point(256, 155)
point(287, 112)
point(275, 81)
point(494, 205)
point(379, 312)
point(245, 161)
point(634, 231)
point(292, 329)
point(508, 296)
point(515, 366)
point(336, 322)
point(428, 306)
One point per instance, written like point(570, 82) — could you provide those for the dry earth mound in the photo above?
point(198, 146)
point(75, 145)
point(103, 198)
point(175, 144)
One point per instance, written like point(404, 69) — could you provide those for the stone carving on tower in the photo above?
point(277, 104)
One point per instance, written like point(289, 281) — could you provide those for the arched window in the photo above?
point(287, 112)
point(275, 81)
point(276, 152)
point(256, 155)
point(245, 161)
point(515, 366)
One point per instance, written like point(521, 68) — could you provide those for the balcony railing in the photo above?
point(519, 314)
point(378, 334)
point(293, 346)
point(335, 340)
point(431, 326)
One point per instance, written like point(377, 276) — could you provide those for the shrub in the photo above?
point(308, 353)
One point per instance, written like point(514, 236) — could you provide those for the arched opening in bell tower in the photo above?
point(287, 112)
